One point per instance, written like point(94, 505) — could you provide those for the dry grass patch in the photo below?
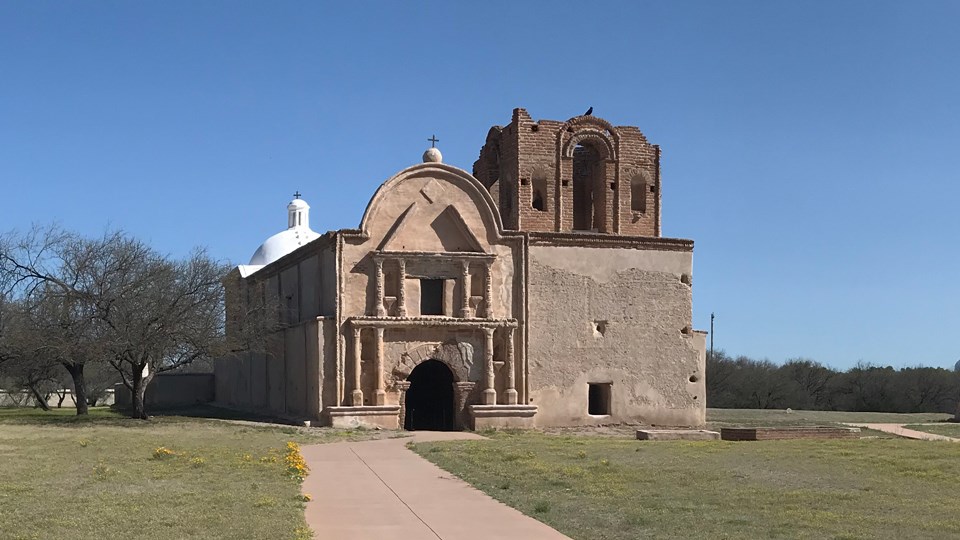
point(171, 477)
point(603, 488)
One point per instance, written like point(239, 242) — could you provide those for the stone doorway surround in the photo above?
point(489, 410)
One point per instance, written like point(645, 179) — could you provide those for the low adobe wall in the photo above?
point(172, 390)
point(788, 433)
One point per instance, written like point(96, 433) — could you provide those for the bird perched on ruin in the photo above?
point(589, 112)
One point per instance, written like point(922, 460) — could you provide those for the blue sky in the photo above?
point(808, 148)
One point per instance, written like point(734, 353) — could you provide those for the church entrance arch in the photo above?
point(429, 403)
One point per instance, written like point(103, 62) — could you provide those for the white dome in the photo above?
point(282, 243)
point(297, 203)
point(298, 233)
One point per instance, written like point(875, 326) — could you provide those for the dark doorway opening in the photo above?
point(429, 401)
point(598, 399)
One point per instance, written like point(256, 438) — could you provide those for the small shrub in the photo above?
point(101, 471)
point(541, 507)
point(163, 453)
point(265, 502)
point(197, 462)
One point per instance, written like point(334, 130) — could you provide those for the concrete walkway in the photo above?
point(379, 489)
point(898, 429)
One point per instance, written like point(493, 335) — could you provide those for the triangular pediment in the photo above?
point(421, 228)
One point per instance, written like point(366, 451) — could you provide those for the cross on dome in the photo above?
point(433, 141)
point(297, 194)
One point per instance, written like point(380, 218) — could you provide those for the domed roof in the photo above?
point(298, 203)
point(957, 367)
point(298, 233)
point(282, 243)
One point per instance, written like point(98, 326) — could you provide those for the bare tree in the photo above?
point(59, 278)
point(26, 362)
point(811, 380)
point(162, 314)
point(115, 298)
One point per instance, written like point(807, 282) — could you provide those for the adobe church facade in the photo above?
point(537, 291)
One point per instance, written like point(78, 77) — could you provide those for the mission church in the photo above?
point(536, 291)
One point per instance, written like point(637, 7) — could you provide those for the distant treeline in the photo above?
point(744, 383)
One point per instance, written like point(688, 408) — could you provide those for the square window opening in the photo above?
point(431, 297)
point(599, 399)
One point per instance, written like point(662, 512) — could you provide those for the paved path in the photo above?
point(379, 489)
point(898, 429)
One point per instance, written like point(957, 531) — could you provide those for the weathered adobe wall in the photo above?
point(171, 390)
point(284, 381)
point(424, 229)
point(286, 378)
point(643, 345)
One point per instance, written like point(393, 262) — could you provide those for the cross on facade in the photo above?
point(433, 141)
point(297, 194)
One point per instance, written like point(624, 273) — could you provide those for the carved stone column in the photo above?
point(511, 393)
point(490, 391)
point(402, 387)
point(461, 391)
point(379, 395)
point(378, 310)
point(488, 291)
point(357, 393)
point(465, 286)
point(402, 288)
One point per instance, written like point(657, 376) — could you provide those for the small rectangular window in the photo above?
point(431, 297)
point(599, 399)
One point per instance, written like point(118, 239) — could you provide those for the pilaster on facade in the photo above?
point(465, 284)
point(489, 391)
point(510, 394)
point(357, 393)
point(401, 287)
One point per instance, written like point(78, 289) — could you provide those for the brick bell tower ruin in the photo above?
point(609, 333)
point(580, 175)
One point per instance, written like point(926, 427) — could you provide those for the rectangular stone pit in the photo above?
point(677, 435)
point(788, 433)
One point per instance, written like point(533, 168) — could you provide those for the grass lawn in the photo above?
point(608, 488)
point(720, 418)
point(63, 476)
point(949, 429)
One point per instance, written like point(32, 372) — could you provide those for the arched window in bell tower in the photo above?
point(588, 174)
